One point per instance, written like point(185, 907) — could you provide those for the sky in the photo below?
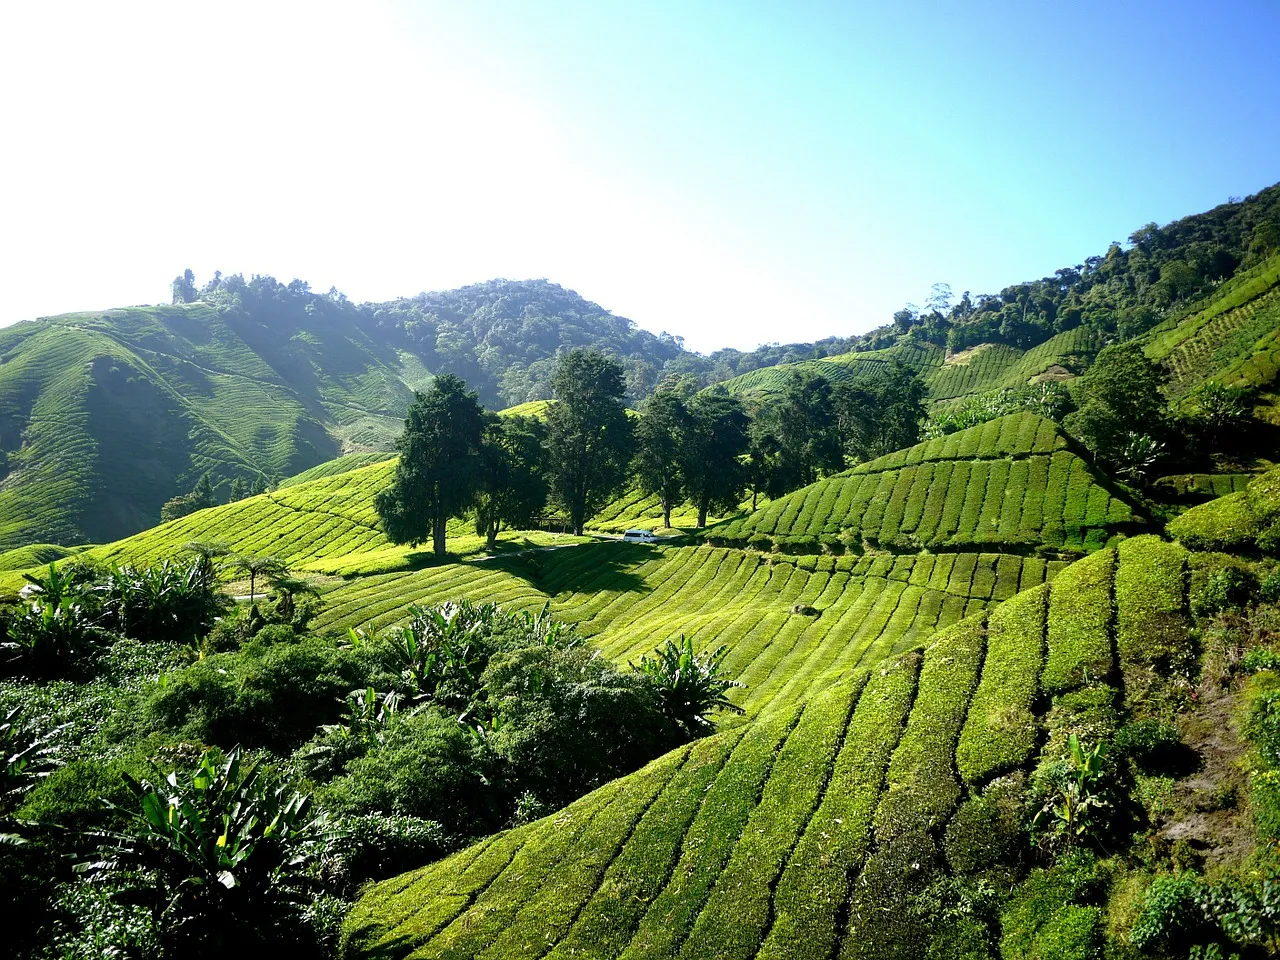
point(734, 173)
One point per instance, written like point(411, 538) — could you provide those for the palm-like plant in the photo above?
point(286, 589)
point(48, 639)
point(690, 684)
point(24, 757)
point(173, 598)
point(218, 854)
point(255, 567)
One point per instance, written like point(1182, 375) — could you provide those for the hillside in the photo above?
point(1009, 484)
point(987, 366)
point(810, 831)
point(105, 416)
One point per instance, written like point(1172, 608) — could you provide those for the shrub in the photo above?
point(218, 855)
point(274, 698)
point(430, 768)
point(1051, 915)
point(1171, 914)
point(1229, 588)
point(690, 685)
point(986, 834)
point(1149, 743)
point(376, 847)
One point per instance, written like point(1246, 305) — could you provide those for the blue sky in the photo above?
point(734, 173)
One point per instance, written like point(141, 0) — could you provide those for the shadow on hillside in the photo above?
point(581, 569)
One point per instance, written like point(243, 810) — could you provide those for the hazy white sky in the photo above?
point(732, 173)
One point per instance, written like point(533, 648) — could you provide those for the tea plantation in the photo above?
point(792, 624)
point(814, 830)
point(1011, 483)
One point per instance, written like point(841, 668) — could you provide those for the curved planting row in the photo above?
point(792, 624)
point(1006, 483)
point(812, 830)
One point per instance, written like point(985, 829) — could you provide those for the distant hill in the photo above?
point(104, 416)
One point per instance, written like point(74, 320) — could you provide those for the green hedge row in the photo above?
point(1152, 626)
point(815, 883)
point(1000, 732)
point(734, 919)
point(1079, 635)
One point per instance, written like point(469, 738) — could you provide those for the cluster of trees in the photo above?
point(203, 495)
point(1124, 292)
point(1124, 419)
point(704, 448)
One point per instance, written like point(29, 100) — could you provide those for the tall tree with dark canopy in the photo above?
point(588, 433)
point(659, 434)
point(714, 441)
point(513, 488)
point(881, 413)
point(804, 423)
point(439, 467)
point(1121, 398)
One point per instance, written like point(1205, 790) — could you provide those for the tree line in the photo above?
point(704, 448)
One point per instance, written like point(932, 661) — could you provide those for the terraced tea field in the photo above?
point(1235, 339)
point(808, 832)
point(1009, 483)
point(331, 468)
point(988, 366)
point(628, 598)
point(325, 525)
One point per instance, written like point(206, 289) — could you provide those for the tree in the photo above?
point(659, 433)
point(764, 462)
point(589, 434)
point(255, 567)
point(714, 441)
point(880, 414)
point(439, 467)
point(184, 288)
point(513, 487)
point(1121, 394)
point(804, 423)
point(238, 490)
point(200, 497)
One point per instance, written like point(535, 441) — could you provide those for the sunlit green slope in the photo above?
point(792, 624)
point(1233, 339)
point(808, 832)
point(1009, 484)
point(985, 367)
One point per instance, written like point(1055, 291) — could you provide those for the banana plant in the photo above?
point(1078, 796)
point(217, 853)
point(690, 684)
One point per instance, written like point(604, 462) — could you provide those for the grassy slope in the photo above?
point(105, 416)
point(985, 367)
point(808, 831)
point(629, 598)
point(1008, 484)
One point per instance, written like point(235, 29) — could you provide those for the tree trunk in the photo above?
point(702, 515)
point(251, 581)
point(437, 532)
point(754, 495)
point(666, 516)
point(493, 536)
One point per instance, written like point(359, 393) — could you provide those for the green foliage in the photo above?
point(272, 697)
point(712, 443)
point(588, 434)
point(1077, 803)
point(1052, 916)
point(690, 685)
point(1080, 612)
point(880, 414)
point(439, 468)
point(1120, 399)
point(173, 601)
point(1152, 628)
point(1007, 483)
point(25, 757)
point(1227, 588)
point(512, 491)
point(217, 854)
point(660, 433)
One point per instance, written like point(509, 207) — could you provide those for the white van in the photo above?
point(639, 536)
